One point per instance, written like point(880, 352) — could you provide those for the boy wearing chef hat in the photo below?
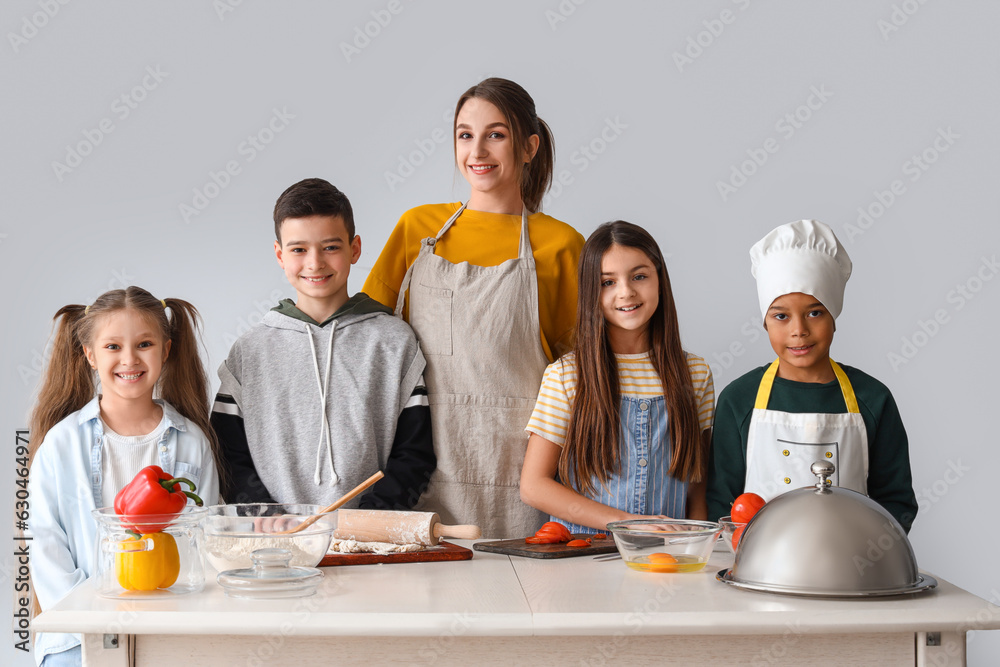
point(774, 422)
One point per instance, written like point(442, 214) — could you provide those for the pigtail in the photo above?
point(68, 382)
point(536, 176)
point(183, 382)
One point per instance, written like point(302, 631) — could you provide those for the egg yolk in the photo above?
point(661, 559)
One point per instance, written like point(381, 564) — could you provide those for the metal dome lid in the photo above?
point(825, 541)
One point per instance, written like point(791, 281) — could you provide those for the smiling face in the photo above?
point(630, 294)
point(488, 158)
point(316, 255)
point(128, 352)
point(801, 331)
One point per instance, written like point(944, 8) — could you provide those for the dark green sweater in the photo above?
point(889, 481)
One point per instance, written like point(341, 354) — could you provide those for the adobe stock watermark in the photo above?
point(246, 152)
point(913, 168)
point(956, 299)
point(32, 23)
point(121, 109)
point(269, 648)
point(898, 17)
point(787, 126)
point(224, 7)
point(892, 534)
point(120, 279)
point(751, 331)
point(777, 652)
point(609, 652)
point(425, 146)
point(434, 650)
point(244, 324)
point(584, 156)
point(363, 35)
point(703, 40)
point(561, 12)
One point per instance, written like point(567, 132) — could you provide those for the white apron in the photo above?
point(782, 445)
point(478, 329)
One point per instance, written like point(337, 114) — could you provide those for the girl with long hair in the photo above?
point(489, 287)
point(88, 442)
point(621, 425)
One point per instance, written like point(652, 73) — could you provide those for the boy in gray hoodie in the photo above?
point(326, 390)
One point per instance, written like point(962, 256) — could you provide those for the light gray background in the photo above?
point(605, 76)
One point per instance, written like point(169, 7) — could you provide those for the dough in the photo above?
point(381, 548)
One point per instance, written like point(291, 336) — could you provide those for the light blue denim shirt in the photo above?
point(642, 485)
point(65, 486)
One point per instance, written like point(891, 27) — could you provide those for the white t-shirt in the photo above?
point(123, 456)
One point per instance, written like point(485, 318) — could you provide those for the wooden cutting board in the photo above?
point(522, 548)
point(442, 552)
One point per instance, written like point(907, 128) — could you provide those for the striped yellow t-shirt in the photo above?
point(636, 377)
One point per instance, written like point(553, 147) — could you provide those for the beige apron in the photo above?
point(781, 446)
point(478, 329)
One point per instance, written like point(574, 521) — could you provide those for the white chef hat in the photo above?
point(803, 256)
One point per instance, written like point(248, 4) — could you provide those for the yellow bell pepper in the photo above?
point(147, 570)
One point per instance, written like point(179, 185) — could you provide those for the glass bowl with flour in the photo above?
point(233, 532)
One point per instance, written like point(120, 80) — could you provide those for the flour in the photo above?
point(380, 548)
point(232, 553)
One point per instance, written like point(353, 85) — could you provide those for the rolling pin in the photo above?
point(398, 527)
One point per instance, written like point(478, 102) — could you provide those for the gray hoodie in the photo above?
point(318, 424)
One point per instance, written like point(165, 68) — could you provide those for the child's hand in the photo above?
point(273, 524)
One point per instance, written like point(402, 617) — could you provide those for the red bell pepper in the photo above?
point(153, 492)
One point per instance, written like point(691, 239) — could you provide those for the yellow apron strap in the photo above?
point(764, 390)
point(845, 386)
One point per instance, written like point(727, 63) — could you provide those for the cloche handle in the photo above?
point(823, 470)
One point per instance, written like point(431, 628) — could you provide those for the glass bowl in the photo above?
point(135, 549)
point(234, 532)
point(672, 545)
point(729, 528)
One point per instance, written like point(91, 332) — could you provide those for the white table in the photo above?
point(507, 610)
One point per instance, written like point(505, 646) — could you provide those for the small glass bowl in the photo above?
point(729, 528)
point(672, 545)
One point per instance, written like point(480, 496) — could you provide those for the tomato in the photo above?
point(737, 534)
point(600, 536)
point(745, 506)
point(578, 543)
point(551, 532)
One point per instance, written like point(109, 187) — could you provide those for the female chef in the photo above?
point(489, 287)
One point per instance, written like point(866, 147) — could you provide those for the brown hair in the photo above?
point(592, 438)
point(518, 109)
point(68, 383)
point(313, 196)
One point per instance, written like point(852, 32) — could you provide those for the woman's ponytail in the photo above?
point(537, 174)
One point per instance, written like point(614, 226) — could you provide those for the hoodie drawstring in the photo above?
point(323, 384)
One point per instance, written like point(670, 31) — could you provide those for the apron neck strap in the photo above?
point(450, 222)
point(764, 390)
point(524, 242)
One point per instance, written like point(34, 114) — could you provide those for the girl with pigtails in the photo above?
point(96, 424)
